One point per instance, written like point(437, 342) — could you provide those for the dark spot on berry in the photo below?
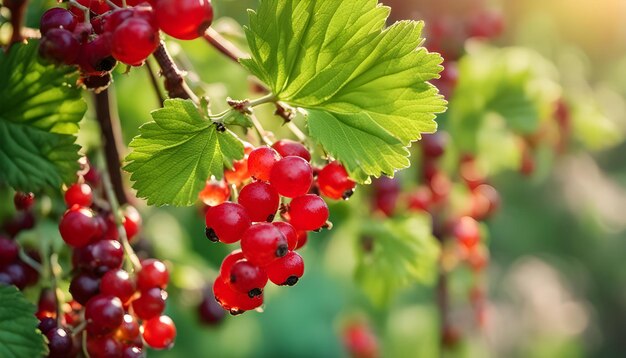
point(347, 194)
point(233, 278)
point(255, 292)
point(211, 235)
point(270, 218)
point(236, 312)
point(292, 280)
point(282, 250)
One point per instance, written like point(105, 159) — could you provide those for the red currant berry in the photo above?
point(289, 232)
point(184, 19)
point(485, 201)
point(84, 287)
point(104, 255)
point(260, 200)
point(263, 243)
point(302, 239)
point(103, 347)
point(129, 330)
point(9, 249)
point(287, 270)
point(229, 261)
point(23, 201)
point(308, 212)
point(118, 283)
point(104, 314)
point(95, 57)
point(420, 199)
point(131, 221)
point(333, 181)
point(215, 192)
point(434, 145)
point(360, 341)
point(150, 304)
point(60, 343)
point(261, 161)
point(46, 324)
point(159, 332)
point(133, 41)
point(59, 46)
point(486, 24)
point(247, 278)
point(467, 231)
point(47, 301)
point(227, 222)
point(78, 194)
point(288, 147)
point(133, 352)
point(78, 227)
point(209, 311)
point(153, 273)
point(57, 18)
point(233, 301)
point(292, 176)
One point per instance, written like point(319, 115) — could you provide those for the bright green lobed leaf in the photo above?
point(174, 155)
point(404, 253)
point(39, 115)
point(19, 336)
point(364, 86)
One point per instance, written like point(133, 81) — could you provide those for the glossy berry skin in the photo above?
point(79, 227)
point(104, 314)
point(287, 270)
point(333, 181)
point(247, 278)
point(214, 193)
point(104, 255)
point(233, 301)
point(133, 352)
point(57, 18)
point(153, 273)
point(118, 283)
point(288, 147)
point(308, 212)
point(59, 342)
point(132, 222)
point(260, 200)
point(184, 19)
point(467, 231)
point(150, 304)
point(239, 172)
point(78, 194)
point(227, 221)
point(302, 239)
point(129, 330)
point(104, 347)
point(262, 244)
point(261, 161)
point(23, 201)
point(59, 46)
point(47, 301)
point(133, 41)
point(292, 176)
point(9, 249)
point(229, 261)
point(47, 324)
point(289, 232)
point(84, 287)
point(209, 311)
point(159, 332)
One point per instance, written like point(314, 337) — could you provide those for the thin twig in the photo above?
point(263, 134)
point(174, 82)
point(222, 45)
point(155, 83)
point(18, 14)
point(30, 262)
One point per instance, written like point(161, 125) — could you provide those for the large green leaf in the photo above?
point(19, 336)
point(364, 86)
point(174, 155)
point(404, 253)
point(39, 114)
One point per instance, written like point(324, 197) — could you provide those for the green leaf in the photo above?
point(174, 155)
point(19, 336)
point(404, 253)
point(39, 115)
point(364, 86)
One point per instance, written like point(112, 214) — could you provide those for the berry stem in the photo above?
point(114, 5)
point(30, 262)
point(222, 45)
point(111, 132)
point(18, 13)
point(174, 82)
point(129, 253)
point(269, 98)
point(297, 132)
point(155, 83)
point(260, 130)
point(55, 272)
point(82, 7)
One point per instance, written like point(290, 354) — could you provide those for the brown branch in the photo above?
point(174, 82)
point(112, 142)
point(155, 83)
point(18, 13)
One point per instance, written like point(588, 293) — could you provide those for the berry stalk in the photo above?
point(174, 82)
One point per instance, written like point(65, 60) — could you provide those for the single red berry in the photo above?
point(247, 278)
point(289, 232)
point(260, 200)
point(159, 332)
point(118, 283)
point(333, 181)
point(263, 243)
point(288, 147)
point(467, 231)
point(103, 347)
point(184, 19)
point(23, 201)
point(103, 255)
point(308, 212)
point(233, 301)
point(59, 46)
point(79, 227)
point(360, 341)
point(261, 161)
point(95, 57)
point(57, 18)
point(227, 222)
point(60, 343)
point(215, 192)
point(129, 330)
point(132, 222)
point(84, 287)
point(133, 41)
point(150, 304)
point(46, 324)
point(9, 250)
point(292, 177)
point(104, 314)
point(229, 261)
point(78, 194)
point(115, 18)
point(302, 239)
point(209, 311)
point(153, 273)
point(434, 145)
point(287, 270)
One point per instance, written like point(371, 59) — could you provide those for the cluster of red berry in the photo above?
point(266, 175)
point(95, 34)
